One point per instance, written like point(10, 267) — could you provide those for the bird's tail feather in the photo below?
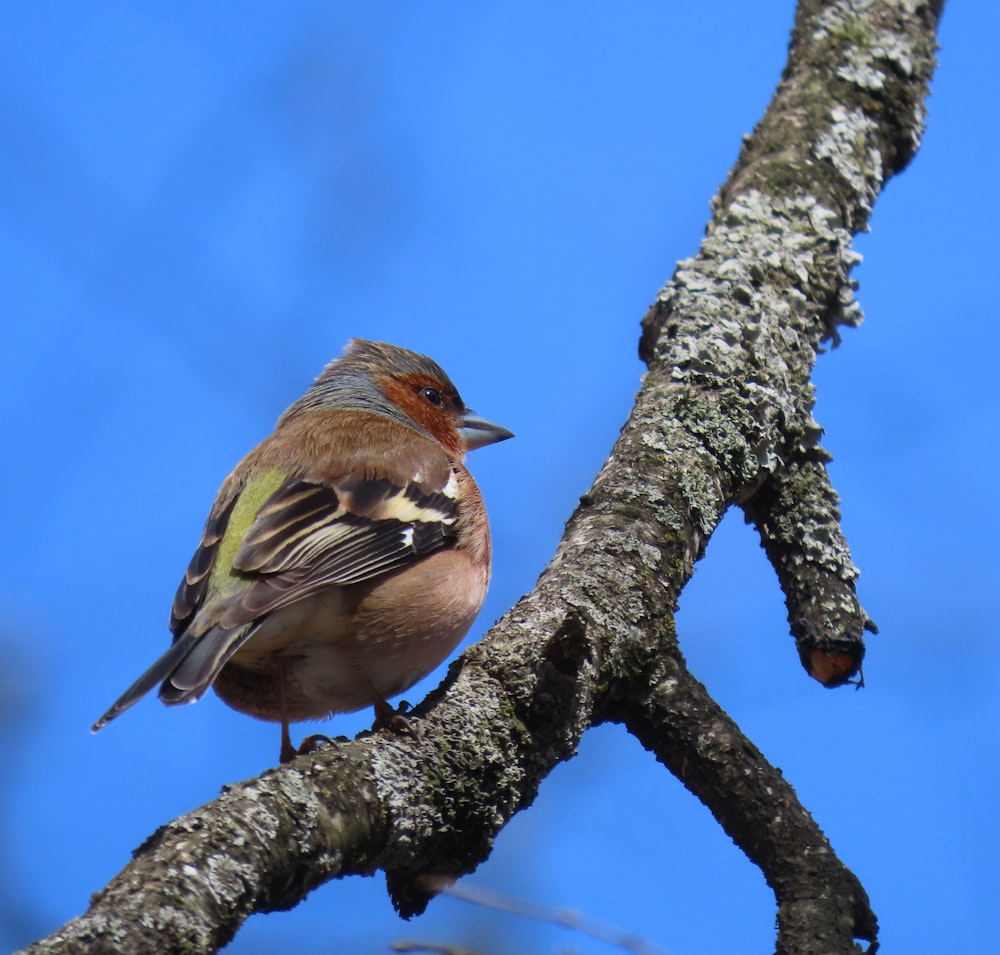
point(163, 667)
point(186, 670)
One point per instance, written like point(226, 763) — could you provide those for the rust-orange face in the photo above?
point(431, 404)
point(436, 407)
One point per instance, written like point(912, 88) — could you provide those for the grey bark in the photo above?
point(723, 418)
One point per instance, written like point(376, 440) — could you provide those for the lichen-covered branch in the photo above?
point(771, 282)
point(423, 807)
point(723, 418)
point(795, 512)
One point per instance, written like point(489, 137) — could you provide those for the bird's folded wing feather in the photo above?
point(191, 591)
point(309, 535)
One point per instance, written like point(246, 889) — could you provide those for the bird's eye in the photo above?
point(433, 396)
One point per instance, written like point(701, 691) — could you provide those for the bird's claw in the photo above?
point(393, 719)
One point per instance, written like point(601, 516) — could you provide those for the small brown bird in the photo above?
point(344, 558)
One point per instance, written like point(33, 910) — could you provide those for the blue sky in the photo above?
point(200, 203)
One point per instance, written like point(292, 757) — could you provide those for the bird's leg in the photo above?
point(311, 743)
point(288, 752)
point(385, 713)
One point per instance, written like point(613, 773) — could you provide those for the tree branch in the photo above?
point(796, 513)
point(723, 417)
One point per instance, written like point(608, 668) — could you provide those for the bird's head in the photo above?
point(406, 386)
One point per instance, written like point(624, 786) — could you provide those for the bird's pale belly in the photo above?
point(339, 651)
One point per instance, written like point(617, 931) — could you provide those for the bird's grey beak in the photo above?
point(477, 432)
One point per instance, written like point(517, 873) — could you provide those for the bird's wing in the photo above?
point(309, 535)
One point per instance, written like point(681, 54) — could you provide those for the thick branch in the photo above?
point(424, 809)
point(691, 735)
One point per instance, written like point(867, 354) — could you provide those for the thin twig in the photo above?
point(568, 918)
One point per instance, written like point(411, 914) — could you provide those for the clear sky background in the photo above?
point(200, 203)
